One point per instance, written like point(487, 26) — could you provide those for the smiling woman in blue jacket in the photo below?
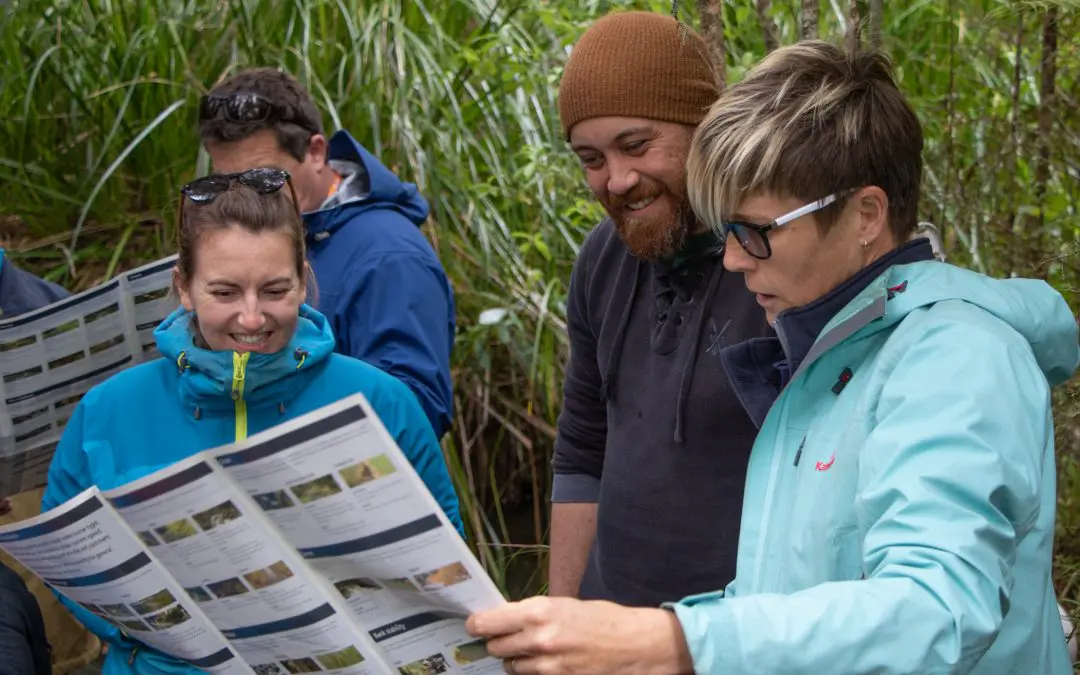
point(242, 354)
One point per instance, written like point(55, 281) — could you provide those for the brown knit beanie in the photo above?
point(637, 64)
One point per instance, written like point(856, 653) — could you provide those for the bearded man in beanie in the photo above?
point(652, 445)
point(648, 418)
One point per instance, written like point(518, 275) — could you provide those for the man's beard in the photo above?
point(657, 237)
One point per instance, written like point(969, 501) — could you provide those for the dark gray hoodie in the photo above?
point(650, 427)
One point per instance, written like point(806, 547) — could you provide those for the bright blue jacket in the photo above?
point(157, 413)
point(380, 283)
point(899, 507)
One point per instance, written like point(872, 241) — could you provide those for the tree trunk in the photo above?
point(809, 19)
point(768, 26)
point(1012, 199)
point(1046, 105)
point(712, 29)
point(950, 140)
point(852, 39)
point(1041, 242)
point(877, 19)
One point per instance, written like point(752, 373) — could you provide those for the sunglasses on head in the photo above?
point(245, 107)
point(263, 180)
point(754, 238)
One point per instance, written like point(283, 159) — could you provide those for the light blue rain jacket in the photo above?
point(899, 506)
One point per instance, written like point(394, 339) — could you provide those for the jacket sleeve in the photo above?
point(68, 476)
point(15, 652)
point(21, 291)
point(949, 482)
point(581, 433)
point(405, 421)
point(20, 625)
point(400, 319)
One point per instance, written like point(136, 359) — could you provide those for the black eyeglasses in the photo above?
point(754, 238)
point(246, 107)
point(263, 180)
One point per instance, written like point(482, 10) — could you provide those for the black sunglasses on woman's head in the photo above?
point(263, 180)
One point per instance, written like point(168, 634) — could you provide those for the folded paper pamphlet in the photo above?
point(50, 357)
point(311, 547)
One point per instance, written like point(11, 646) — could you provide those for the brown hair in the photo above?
point(281, 89)
point(243, 207)
point(810, 120)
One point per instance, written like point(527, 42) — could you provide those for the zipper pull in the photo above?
point(239, 366)
point(798, 453)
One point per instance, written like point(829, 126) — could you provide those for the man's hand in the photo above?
point(562, 636)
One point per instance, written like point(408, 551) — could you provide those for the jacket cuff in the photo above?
point(711, 633)
point(570, 488)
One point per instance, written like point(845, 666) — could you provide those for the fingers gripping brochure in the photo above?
point(311, 547)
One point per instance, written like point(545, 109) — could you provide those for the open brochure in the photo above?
point(50, 357)
point(311, 547)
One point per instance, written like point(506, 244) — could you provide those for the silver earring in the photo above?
point(865, 245)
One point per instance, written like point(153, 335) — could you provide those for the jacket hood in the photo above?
point(1030, 306)
point(368, 185)
point(206, 376)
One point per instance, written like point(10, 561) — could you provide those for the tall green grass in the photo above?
point(97, 120)
point(98, 131)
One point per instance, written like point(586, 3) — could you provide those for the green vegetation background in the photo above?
point(97, 114)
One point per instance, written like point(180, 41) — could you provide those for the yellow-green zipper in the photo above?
point(239, 370)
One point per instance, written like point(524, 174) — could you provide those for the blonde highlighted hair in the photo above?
point(809, 121)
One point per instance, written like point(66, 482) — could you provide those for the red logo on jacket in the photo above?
point(825, 466)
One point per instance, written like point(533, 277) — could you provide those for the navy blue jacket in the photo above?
point(22, 292)
point(380, 284)
point(24, 647)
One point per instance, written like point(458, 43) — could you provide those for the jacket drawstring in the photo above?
point(607, 385)
point(691, 360)
point(300, 355)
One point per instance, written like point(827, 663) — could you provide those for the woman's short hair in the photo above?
point(810, 120)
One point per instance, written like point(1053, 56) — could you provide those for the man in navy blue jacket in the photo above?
point(378, 279)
